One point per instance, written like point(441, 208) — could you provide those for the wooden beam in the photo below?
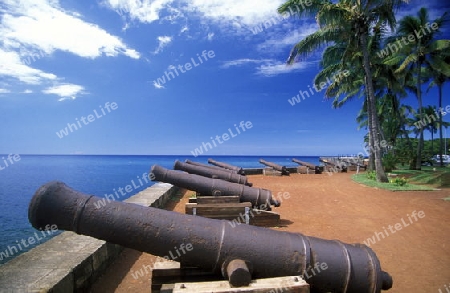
point(275, 285)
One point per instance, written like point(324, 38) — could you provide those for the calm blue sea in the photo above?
point(98, 175)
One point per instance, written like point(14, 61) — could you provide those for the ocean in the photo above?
point(91, 174)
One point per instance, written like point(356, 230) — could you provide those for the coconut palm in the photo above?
point(348, 22)
point(419, 51)
point(438, 80)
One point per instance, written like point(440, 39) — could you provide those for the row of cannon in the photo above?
point(215, 181)
point(237, 253)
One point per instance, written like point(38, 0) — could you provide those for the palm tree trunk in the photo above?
point(371, 165)
point(372, 112)
point(432, 142)
point(441, 143)
point(419, 100)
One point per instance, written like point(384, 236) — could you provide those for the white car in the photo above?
point(445, 159)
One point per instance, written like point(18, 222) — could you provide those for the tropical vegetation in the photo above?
point(384, 61)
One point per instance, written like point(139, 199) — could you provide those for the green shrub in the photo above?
point(372, 175)
point(399, 181)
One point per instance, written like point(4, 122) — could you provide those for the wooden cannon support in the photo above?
point(170, 277)
point(231, 209)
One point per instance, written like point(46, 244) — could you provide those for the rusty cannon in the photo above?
point(259, 198)
point(212, 173)
point(239, 170)
point(317, 169)
point(187, 161)
point(357, 162)
point(238, 253)
point(334, 165)
point(277, 167)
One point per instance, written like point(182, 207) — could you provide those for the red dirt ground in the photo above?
point(334, 207)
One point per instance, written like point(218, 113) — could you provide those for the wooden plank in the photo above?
point(218, 199)
point(264, 218)
point(227, 209)
point(280, 284)
point(164, 278)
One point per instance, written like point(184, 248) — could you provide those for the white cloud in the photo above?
point(210, 36)
point(237, 15)
point(268, 67)
point(4, 91)
point(30, 30)
point(163, 41)
point(280, 42)
point(27, 92)
point(281, 68)
point(12, 66)
point(239, 62)
point(245, 12)
point(44, 26)
point(144, 11)
point(65, 91)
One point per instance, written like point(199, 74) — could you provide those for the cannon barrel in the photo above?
point(212, 173)
point(239, 170)
point(187, 161)
point(303, 163)
point(212, 244)
point(277, 167)
point(258, 197)
point(316, 169)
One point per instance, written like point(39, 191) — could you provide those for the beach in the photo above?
point(408, 231)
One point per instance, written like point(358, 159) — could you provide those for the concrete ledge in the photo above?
point(70, 262)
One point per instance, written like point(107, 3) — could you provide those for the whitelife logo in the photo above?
point(170, 74)
point(147, 269)
point(208, 146)
point(397, 226)
point(86, 120)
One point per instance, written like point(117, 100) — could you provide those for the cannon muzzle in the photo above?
point(214, 245)
point(259, 198)
point(212, 173)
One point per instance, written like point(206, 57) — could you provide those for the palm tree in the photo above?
point(422, 51)
point(348, 22)
point(438, 80)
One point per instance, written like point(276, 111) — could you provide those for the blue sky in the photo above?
point(95, 65)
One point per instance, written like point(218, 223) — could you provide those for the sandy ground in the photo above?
point(417, 255)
